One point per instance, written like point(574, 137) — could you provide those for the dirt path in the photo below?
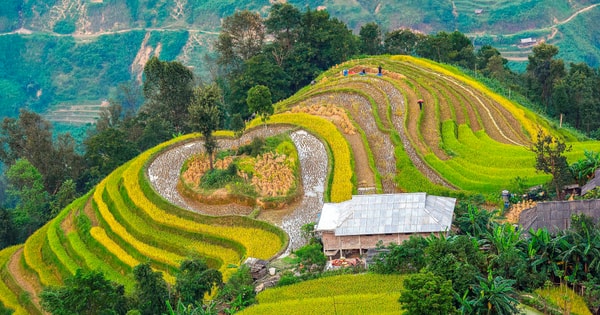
point(164, 177)
point(18, 273)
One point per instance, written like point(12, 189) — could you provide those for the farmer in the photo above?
point(420, 101)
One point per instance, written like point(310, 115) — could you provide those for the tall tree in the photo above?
point(205, 115)
point(151, 290)
point(370, 39)
point(402, 42)
point(106, 151)
point(258, 70)
point(259, 101)
point(549, 158)
point(27, 195)
point(242, 36)
point(283, 23)
point(29, 137)
point(543, 71)
point(168, 89)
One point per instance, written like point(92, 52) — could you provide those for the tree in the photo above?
point(543, 71)
point(168, 89)
point(283, 23)
point(425, 294)
point(238, 125)
point(86, 292)
point(241, 37)
point(26, 193)
point(151, 291)
point(238, 293)
point(7, 229)
point(549, 159)
point(370, 39)
point(456, 258)
point(194, 280)
point(105, 152)
point(204, 115)
point(402, 42)
point(259, 101)
point(408, 257)
point(258, 70)
point(30, 137)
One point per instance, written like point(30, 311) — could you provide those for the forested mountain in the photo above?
point(77, 52)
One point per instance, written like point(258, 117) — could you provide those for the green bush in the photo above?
point(64, 27)
point(218, 178)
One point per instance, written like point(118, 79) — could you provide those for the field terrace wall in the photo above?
point(556, 215)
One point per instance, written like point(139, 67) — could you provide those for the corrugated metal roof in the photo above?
point(388, 214)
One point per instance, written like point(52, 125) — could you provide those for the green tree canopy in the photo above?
point(205, 116)
point(168, 89)
point(86, 292)
point(259, 101)
point(194, 280)
point(370, 39)
point(427, 294)
point(549, 158)
point(151, 290)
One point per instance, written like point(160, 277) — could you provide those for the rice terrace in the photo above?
point(353, 133)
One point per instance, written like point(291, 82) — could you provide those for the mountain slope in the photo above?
point(465, 140)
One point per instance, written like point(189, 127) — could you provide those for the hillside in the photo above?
point(76, 52)
point(465, 140)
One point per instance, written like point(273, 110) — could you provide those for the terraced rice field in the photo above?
point(345, 294)
point(464, 140)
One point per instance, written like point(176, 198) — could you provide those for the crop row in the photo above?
point(7, 296)
point(258, 240)
point(345, 294)
point(164, 237)
point(151, 252)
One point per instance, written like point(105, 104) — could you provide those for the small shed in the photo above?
point(593, 183)
point(358, 224)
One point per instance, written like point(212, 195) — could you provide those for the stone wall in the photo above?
point(556, 215)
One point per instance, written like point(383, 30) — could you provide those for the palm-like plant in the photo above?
point(476, 222)
point(584, 169)
point(495, 296)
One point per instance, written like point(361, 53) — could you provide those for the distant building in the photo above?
point(359, 224)
point(528, 41)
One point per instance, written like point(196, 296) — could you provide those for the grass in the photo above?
point(565, 300)
point(344, 294)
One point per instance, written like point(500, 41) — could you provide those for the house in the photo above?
point(528, 41)
point(356, 225)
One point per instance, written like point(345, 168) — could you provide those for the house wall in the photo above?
point(556, 215)
point(357, 242)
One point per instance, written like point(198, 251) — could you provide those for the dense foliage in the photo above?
point(489, 262)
